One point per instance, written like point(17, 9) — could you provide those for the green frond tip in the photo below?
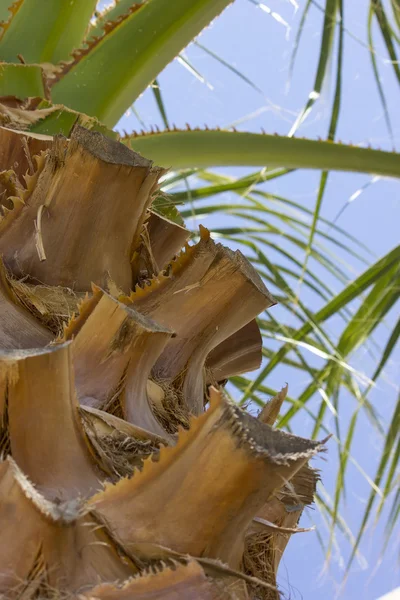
point(62, 121)
point(21, 81)
point(163, 206)
point(49, 119)
point(182, 149)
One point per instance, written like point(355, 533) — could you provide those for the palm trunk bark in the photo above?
point(126, 471)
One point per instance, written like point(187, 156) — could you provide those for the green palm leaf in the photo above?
point(207, 148)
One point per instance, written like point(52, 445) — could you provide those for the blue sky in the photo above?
point(259, 44)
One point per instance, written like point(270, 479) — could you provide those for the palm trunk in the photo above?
point(126, 471)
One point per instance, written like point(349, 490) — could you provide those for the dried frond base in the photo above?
point(118, 453)
point(5, 446)
point(113, 404)
point(258, 561)
point(52, 306)
point(113, 477)
point(171, 411)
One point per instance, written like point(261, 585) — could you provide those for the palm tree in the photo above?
point(49, 303)
point(97, 382)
